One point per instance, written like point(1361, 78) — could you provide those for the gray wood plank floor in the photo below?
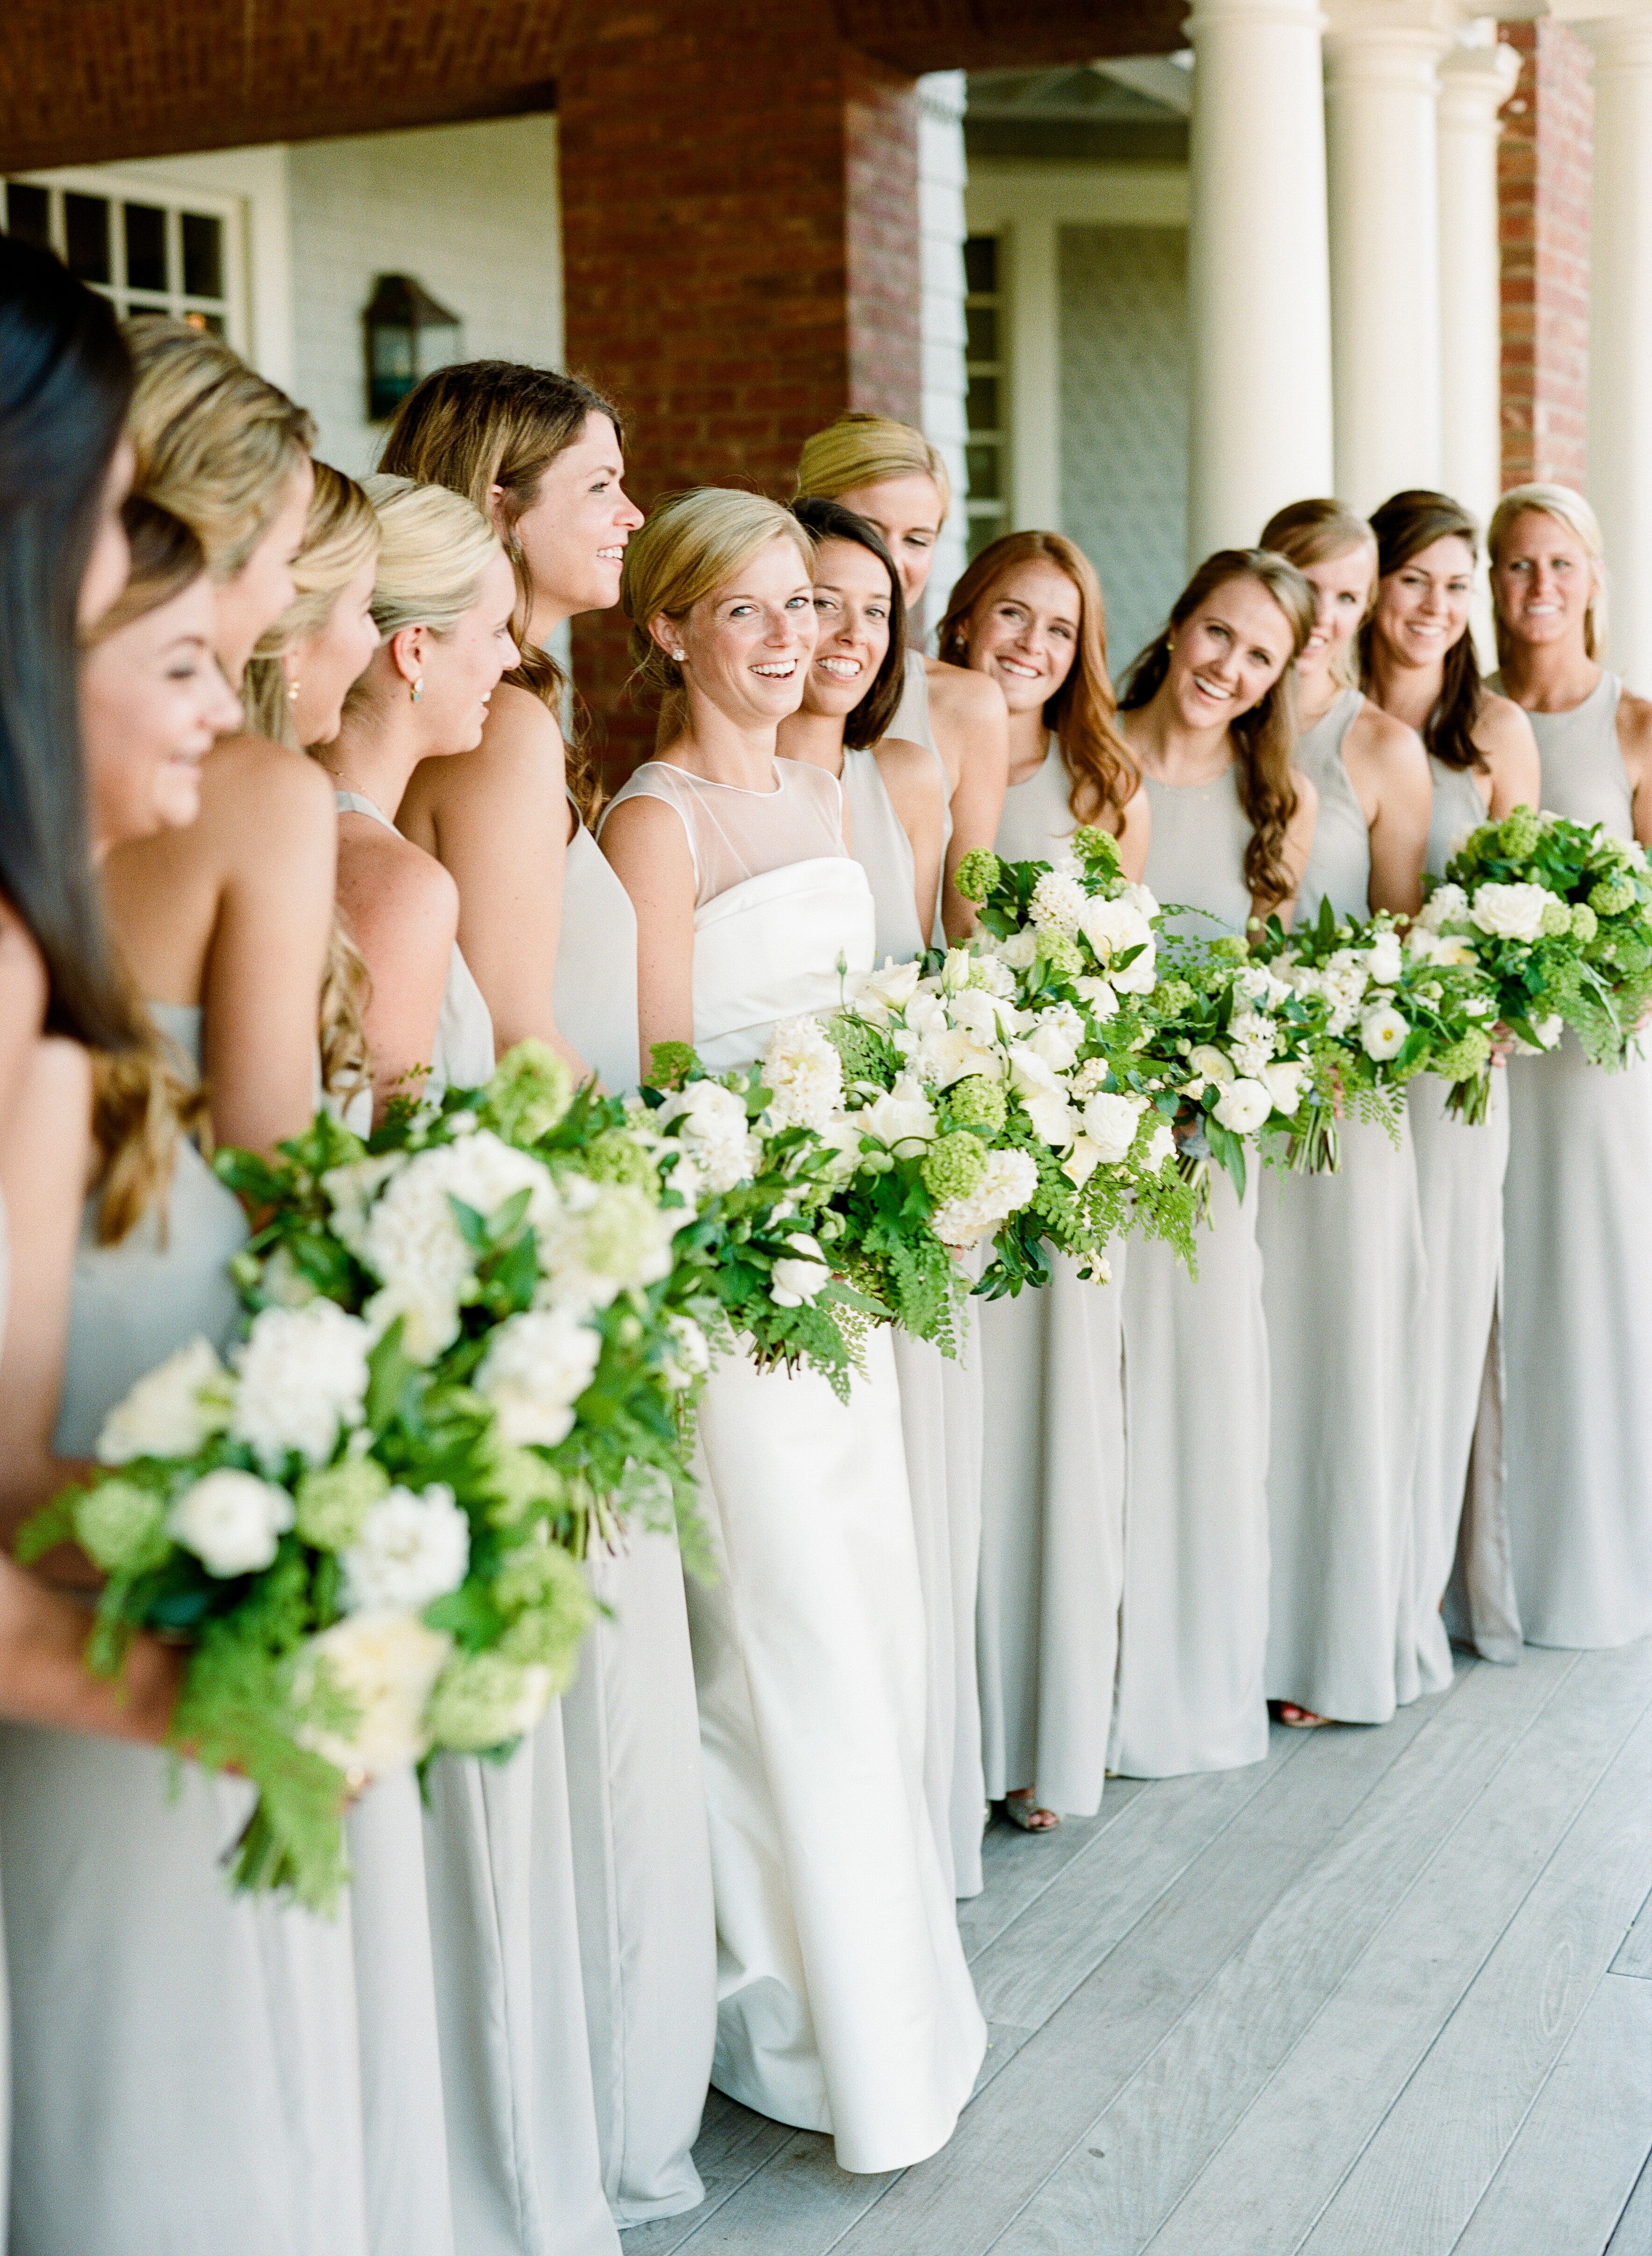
point(1386, 1993)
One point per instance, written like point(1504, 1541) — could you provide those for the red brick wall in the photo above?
point(740, 252)
point(1542, 178)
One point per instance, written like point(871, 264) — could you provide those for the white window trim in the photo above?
point(112, 181)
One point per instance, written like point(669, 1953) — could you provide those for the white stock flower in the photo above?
point(801, 1275)
point(301, 1374)
point(1254, 1037)
point(805, 1074)
point(1284, 1082)
point(412, 1550)
point(1510, 912)
point(902, 1118)
point(1243, 1106)
point(1384, 960)
point(1110, 1122)
point(1114, 928)
point(172, 1412)
point(688, 1355)
point(1382, 1032)
point(1256, 985)
point(537, 1367)
point(714, 1133)
point(1443, 904)
point(386, 1665)
point(230, 1520)
point(1008, 1184)
point(1058, 902)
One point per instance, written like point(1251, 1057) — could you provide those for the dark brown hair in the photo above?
point(828, 520)
point(1406, 524)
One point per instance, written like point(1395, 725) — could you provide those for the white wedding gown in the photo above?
point(845, 2005)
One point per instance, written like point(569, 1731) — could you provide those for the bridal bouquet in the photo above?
point(1559, 918)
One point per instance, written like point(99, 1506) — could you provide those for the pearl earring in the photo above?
point(293, 693)
point(677, 656)
point(418, 688)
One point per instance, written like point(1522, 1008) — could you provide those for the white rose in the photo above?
point(1110, 1122)
point(230, 1520)
point(1113, 928)
point(1244, 1106)
point(800, 1276)
point(1206, 1062)
point(535, 1368)
point(1443, 904)
point(1081, 1161)
point(1509, 912)
point(890, 988)
point(1384, 959)
point(1054, 1121)
point(301, 1374)
point(805, 1074)
point(1284, 1082)
point(172, 1412)
point(902, 1118)
point(412, 1550)
point(1382, 1032)
point(386, 1665)
point(1058, 902)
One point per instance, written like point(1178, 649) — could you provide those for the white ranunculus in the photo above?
point(1110, 1122)
point(1081, 1161)
point(1244, 1106)
point(1098, 995)
point(890, 988)
point(714, 1133)
point(230, 1520)
point(1444, 904)
point(688, 1355)
point(801, 1275)
point(172, 1412)
point(903, 1119)
point(1058, 902)
point(1284, 1082)
point(301, 1374)
point(1010, 1183)
point(1208, 1063)
point(386, 1665)
point(535, 1368)
point(1510, 912)
point(1384, 959)
point(804, 1074)
point(1382, 1032)
point(413, 1548)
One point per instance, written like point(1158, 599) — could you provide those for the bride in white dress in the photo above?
point(845, 2005)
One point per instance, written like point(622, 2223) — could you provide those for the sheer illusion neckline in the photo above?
point(713, 783)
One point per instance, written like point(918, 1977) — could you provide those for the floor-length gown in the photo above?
point(642, 1855)
point(184, 2071)
point(845, 2003)
point(941, 1418)
point(1053, 1477)
point(1577, 1280)
point(1194, 1616)
point(522, 2164)
point(1461, 1525)
point(1344, 1274)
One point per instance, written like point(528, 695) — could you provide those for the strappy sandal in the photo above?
point(1021, 1809)
point(1300, 1719)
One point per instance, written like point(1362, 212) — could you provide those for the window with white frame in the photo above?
point(149, 250)
point(987, 409)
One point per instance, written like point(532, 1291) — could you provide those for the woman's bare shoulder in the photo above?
point(960, 693)
point(248, 779)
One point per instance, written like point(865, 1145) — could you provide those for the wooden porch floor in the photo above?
point(1387, 1993)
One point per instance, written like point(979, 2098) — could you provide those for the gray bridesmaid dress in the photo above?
point(636, 1797)
point(1577, 1280)
point(1194, 1616)
point(1345, 1273)
point(941, 1420)
point(1052, 1478)
point(185, 2068)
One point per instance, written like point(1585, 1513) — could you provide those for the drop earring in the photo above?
point(293, 693)
point(418, 688)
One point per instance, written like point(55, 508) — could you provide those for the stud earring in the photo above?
point(677, 656)
point(417, 689)
point(293, 693)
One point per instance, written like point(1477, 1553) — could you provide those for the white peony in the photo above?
point(302, 1374)
point(1114, 928)
point(1382, 1032)
point(1384, 960)
point(1110, 1122)
point(413, 1548)
point(1010, 1183)
point(804, 1074)
point(903, 1119)
point(1058, 902)
point(230, 1520)
point(1443, 904)
point(1141, 898)
point(1510, 912)
point(688, 1355)
point(1243, 1106)
point(801, 1275)
point(714, 1133)
point(386, 1665)
point(535, 1368)
point(172, 1411)
point(876, 994)
point(983, 1017)
point(1284, 1082)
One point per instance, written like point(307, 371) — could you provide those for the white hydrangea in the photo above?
point(714, 1133)
point(805, 1073)
point(1382, 1032)
point(1444, 904)
point(1110, 1123)
point(1509, 912)
point(801, 1275)
point(535, 1368)
point(231, 1521)
point(1008, 1184)
point(172, 1411)
point(301, 1374)
point(1243, 1106)
point(1058, 902)
point(386, 1665)
point(413, 1548)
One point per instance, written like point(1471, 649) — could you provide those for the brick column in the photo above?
point(740, 254)
point(1543, 188)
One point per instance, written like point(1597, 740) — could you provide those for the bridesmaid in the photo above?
point(1578, 1205)
point(1343, 1262)
point(888, 473)
point(553, 936)
point(894, 805)
point(1028, 613)
point(1417, 657)
point(168, 2034)
point(1211, 724)
point(845, 2003)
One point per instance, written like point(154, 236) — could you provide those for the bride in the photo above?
point(845, 2005)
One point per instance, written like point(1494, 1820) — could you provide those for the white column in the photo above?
point(1620, 330)
point(1035, 374)
point(942, 174)
point(1381, 126)
point(1475, 81)
point(1257, 293)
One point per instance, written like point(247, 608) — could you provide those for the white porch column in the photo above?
point(1035, 373)
point(1381, 90)
point(942, 173)
point(1257, 291)
point(1621, 329)
point(1475, 81)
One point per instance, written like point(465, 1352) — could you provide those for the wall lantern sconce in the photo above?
point(407, 334)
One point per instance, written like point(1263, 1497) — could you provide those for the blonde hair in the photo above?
point(341, 534)
point(691, 545)
point(434, 548)
point(863, 449)
point(215, 444)
point(1306, 532)
point(1573, 511)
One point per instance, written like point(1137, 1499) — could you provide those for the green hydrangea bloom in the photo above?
point(977, 874)
point(120, 1527)
point(1519, 831)
point(1061, 953)
point(1557, 919)
point(522, 1484)
point(954, 1167)
point(975, 1101)
point(1097, 849)
point(333, 1501)
point(1170, 998)
point(1611, 897)
point(531, 1091)
point(1585, 923)
point(1461, 1061)
point(1230, 948)
point(543, 1577)
point(478, 1702)
point(614, 1157)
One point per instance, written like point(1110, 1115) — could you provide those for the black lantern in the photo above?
point(407, 334)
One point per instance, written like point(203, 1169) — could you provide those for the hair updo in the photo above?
point(1570, 509)
point(863, 449)
point(340, 535)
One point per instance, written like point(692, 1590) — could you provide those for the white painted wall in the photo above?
point(942, 173)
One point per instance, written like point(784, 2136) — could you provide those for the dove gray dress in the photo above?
point(1461, 1549)
point(1578, 1280)
point(642, 1849)
point(1193, 1615)
point(1052, 1476)
point(1344, 1277)
point(177, 2049)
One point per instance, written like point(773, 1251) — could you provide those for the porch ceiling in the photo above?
point(96, 80)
